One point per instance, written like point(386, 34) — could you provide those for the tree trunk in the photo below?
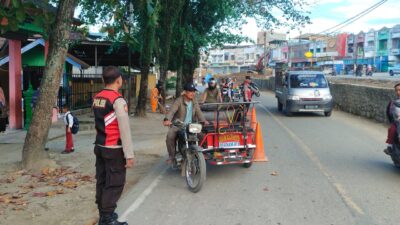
point(169, 13)
point(33, 154)
point(190, 65)
point(145, 61)
point(179, 74)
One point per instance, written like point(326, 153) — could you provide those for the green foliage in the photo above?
point(20, 13)
point(115, 18)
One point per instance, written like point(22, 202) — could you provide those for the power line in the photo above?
point(353, 19)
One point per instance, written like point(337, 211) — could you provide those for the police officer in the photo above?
point(113, 145)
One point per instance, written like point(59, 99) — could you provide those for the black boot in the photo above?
point(114, 215)
point(109, 219)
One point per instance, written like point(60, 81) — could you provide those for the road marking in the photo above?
point(310, 154)
point(140, 199)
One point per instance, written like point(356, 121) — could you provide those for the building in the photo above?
point(266, 37)
point(234, 59)
point(395, 45)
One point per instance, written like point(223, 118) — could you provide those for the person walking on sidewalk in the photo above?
point(3, 111)
point(113, 145)
point(69, 121)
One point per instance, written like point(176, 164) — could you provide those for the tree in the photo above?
point(148, 14)
point(59, 26)
point(209, 23)
point(33, 155)
point(169, 15)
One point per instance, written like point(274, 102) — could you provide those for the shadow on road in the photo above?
point(386, 166)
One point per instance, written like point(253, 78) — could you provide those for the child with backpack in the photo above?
point(69, 119)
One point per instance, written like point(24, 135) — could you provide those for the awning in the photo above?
point(70, 58)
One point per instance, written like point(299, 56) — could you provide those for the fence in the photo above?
point(81, 90)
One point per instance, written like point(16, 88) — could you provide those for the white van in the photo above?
point(303, 91)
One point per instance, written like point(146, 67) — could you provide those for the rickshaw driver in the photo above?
point(186, 109)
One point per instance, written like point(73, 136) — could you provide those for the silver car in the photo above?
point(303, 91)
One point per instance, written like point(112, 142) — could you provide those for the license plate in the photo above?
point(229, 144)
point(311, 107)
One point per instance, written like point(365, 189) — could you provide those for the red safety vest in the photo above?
point(105, 118)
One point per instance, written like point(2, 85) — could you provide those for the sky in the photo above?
point(325, 14)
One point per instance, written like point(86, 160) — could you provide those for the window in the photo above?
point(324, 50)
point(247, 56)
point(308, 81)
point(232, 57)
point(226, 56)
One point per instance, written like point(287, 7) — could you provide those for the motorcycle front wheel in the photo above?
point(195, 169)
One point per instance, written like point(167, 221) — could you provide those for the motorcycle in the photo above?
point(395, 153)
point(236, 95)
point(188, 155)
point(255, 89)
point(225, 94)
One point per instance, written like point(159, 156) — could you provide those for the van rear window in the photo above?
point(308, 81)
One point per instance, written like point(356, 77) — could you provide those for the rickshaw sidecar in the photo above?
point(230, 139)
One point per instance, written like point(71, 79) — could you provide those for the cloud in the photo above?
point(328, 13)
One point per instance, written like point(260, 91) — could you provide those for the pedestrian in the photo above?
point(247, 91)
point(69, 121)
point(113, 145)
point(392, 114)
point(155, 98)
point(35, 97)
point(3, 111)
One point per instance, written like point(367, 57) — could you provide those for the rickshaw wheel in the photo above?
point(248, 165)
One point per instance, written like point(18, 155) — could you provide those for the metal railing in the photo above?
point(80, 90)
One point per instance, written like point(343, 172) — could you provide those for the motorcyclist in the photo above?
point(247, 90)
point(186, 109)
point(393, 114)
point(211, 93)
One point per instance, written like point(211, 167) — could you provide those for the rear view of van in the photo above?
point(303, 91)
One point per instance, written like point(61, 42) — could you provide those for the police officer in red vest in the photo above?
point(113, 145)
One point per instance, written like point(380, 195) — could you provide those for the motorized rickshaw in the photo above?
point(230, 137)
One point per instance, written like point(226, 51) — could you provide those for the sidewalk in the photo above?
point(77, 203)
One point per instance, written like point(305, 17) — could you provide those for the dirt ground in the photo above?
point(65, 195)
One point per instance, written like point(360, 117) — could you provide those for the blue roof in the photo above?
point(70, 59)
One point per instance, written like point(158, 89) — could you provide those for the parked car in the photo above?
point(394, 69)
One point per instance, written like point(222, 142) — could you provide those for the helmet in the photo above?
point(212, 83)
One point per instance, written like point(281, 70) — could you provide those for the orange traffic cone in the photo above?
point(259, 154)
point(253, 120)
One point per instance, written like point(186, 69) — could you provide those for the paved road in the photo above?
point(330, 171)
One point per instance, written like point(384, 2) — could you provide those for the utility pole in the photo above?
point(265, 52)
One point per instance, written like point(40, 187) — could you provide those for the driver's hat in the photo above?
point(189, 87)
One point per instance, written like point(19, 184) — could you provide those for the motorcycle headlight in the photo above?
point(294, 97)
point(195, 128)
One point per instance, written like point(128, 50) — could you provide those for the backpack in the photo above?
point(75, 124)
